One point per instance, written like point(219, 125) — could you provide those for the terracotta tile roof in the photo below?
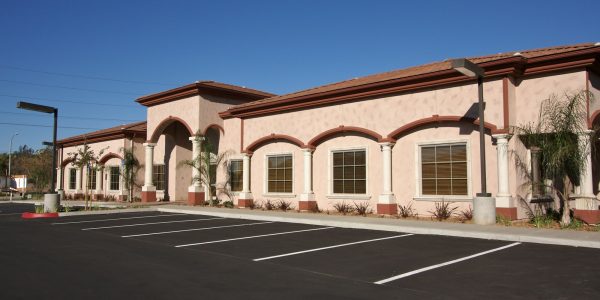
point(115, 132)
point(207, 86)
point(414, 71)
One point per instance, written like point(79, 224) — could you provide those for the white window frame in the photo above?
point(330, 193)
point(110, 178)
point(266, 175)
point(418, 172)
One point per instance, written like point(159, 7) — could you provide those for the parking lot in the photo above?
point(164, 255)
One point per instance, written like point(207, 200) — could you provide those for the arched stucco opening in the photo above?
point(173, 145)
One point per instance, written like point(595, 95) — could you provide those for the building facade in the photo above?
point(406, 137)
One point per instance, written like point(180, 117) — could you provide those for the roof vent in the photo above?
point(197, 81)
point(597, 44)
point(517, 54)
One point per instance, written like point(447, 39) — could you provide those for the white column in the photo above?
point(307, 194)
point(503, 197)
point(196, 153)
point(387, 196)
point(99, 180)
point(78, 181)
point(246, 193)
point(586, 200)
point(58, 179)
point(148, 184)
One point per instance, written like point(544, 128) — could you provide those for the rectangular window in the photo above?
point(350, 172)
point(444, 170)
point(114, 178)
point(279, 174)
point(158, 177)
point(91, 179)
point(236, 177)
point(72, 178)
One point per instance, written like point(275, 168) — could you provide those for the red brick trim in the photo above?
point(164, 124)
point(343, 129)
point(242, 203)
point(108, 156)
point(307, 205)
point(438, 119)
point(507, 212)
point(588, 216)
point(273, 137)
point(195, 198)
point(148, 196)
point(67, 161)
point(387, 209)
point(214, 126)
point(97, 196)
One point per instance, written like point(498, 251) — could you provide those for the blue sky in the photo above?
point(120, 50)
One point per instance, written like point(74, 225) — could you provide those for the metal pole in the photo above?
point(53, 184)
point(484, 192)
point(9, 180)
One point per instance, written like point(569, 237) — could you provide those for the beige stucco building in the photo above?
point(408, 136)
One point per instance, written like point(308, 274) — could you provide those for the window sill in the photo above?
point(444, 198)
point(349, 197)
point(279, 195)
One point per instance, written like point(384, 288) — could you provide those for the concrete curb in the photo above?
point(539, 236)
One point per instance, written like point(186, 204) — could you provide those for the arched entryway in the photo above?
point(173, 145)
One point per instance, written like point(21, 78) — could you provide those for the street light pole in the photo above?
point(51, 199)
point(9, 179)
point(484, 205)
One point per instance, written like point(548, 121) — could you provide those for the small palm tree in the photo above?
point(205, 164)
point(85, 157)
point(562, 155)
point(131, 166)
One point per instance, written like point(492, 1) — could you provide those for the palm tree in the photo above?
point(131, 166)
point(85, 157)
point(562, 154)
point(205, 164)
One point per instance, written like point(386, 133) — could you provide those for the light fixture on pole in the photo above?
point(484, 205)
point(51, 200)
point(9, 179)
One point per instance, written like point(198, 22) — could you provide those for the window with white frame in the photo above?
point(72, 178)
point(444, 169)
point(349, 172)
point(236, 175)
point(114, 178)
point(158, 177)
point(91, 179)
point(279, 173)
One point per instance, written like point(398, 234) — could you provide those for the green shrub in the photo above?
point(39, 209)
point(443, 211)
point(228, 204)
point(362, 208)
point(406, 211)
point(284, 205)
point(343, 208)
point(502, 220)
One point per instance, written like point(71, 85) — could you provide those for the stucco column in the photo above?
point(196, 192)
point(148, 190)
point(245, 196)
point(78, 182)
point(504, 203)
point(98, 192)
point(387, 201)
point(586, 204)
point(307, 198)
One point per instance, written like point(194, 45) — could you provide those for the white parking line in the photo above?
point(443, 264)
point(331, 247)
point(195, 229)
point(115, 219)
point(142, 224)
point(252, 237)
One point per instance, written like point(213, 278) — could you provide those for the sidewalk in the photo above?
point(495, 232)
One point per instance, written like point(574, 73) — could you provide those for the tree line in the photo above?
point(35, 164)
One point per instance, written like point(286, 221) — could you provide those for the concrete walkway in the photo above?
point(495, 232)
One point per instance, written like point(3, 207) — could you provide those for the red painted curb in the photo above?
point(28, 215)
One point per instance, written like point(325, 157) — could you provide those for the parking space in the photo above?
point(423, 264)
